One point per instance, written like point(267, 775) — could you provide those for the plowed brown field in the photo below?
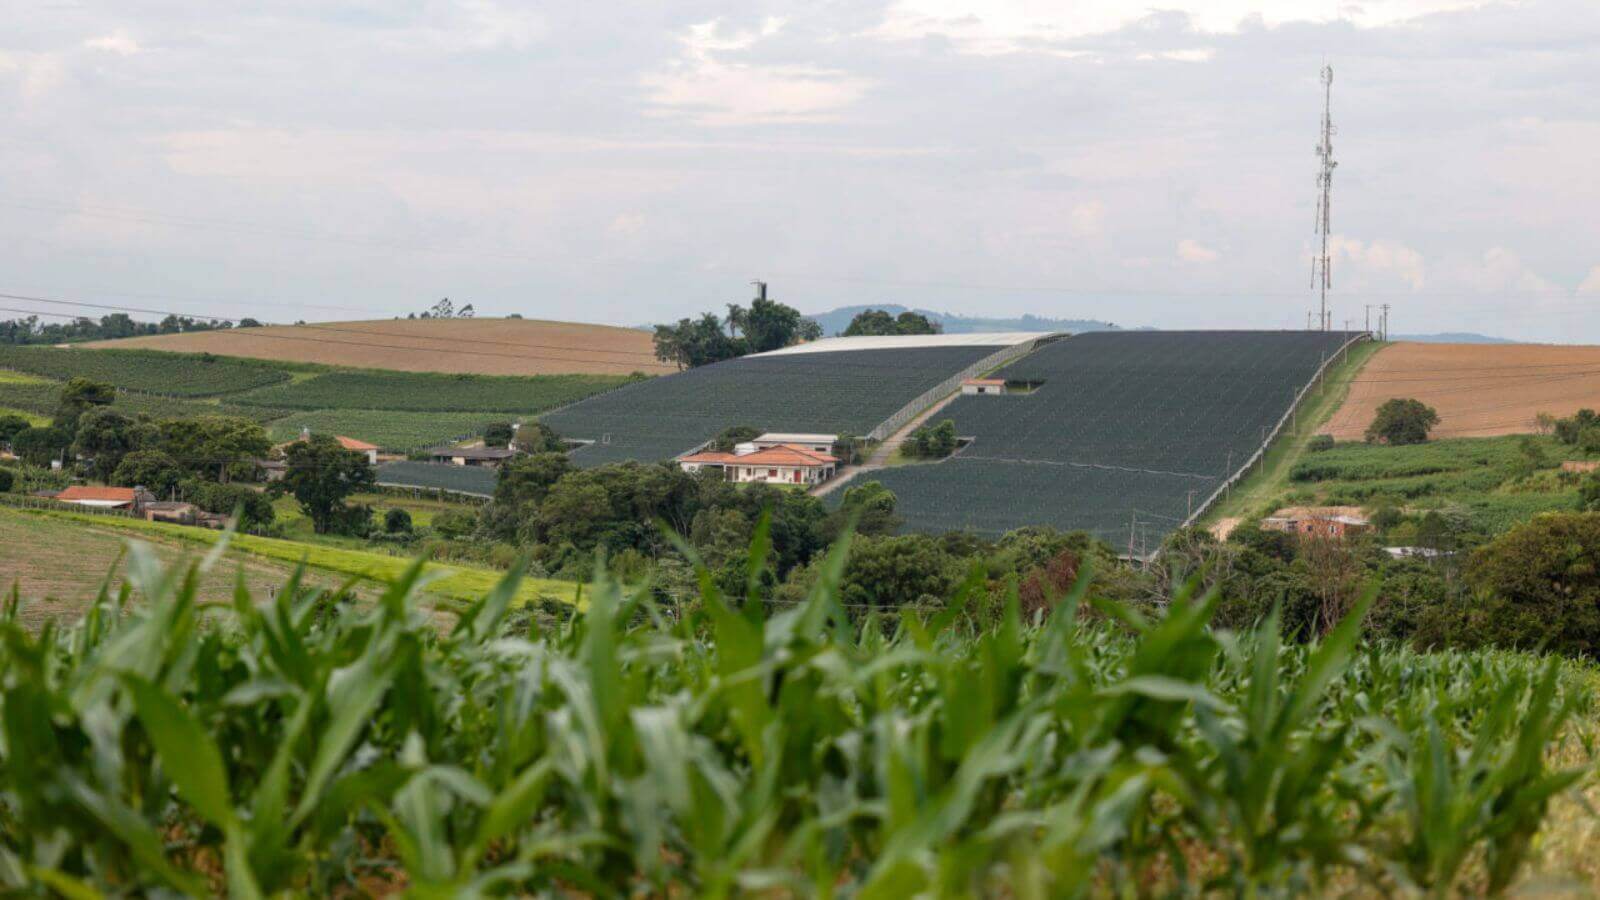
point(1479, 390)
point(480, 346)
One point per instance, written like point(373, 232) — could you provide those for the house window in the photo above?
point(772, 473)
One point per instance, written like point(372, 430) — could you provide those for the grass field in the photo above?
point(480, 346)
point(454, 582)
point(1478, 390)
point(389, 429)
point(59, 565)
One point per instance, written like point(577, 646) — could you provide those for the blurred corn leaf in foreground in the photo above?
point(168, 742)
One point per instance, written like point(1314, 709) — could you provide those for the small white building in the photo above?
point(778, 464)
point(983, 386)
point(816, 443)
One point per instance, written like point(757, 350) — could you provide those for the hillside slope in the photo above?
point(1479, 390)
point(475, 346)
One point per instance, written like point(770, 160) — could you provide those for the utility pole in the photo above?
point(1308, 320)
point(1321, 275)
point(1383, 324)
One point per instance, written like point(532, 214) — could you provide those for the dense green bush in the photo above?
point(1537, 586)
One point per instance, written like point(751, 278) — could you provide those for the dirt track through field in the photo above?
point(1479, 390)
point(476, 346)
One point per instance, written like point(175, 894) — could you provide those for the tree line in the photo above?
point(30, 330)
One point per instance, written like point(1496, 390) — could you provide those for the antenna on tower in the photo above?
point(1321, 274)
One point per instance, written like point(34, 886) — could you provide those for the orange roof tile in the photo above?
point(781, 455)
point(103, 494)
point(353, 444)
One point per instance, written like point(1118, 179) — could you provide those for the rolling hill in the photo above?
point(1479, 390)
point(459, 346)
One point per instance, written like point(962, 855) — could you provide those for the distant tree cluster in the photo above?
point(877, 322)
point(765, 325)
point(445, 309)
point(30, 330)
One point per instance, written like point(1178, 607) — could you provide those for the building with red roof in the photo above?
point(777, 464)
point(132, 499)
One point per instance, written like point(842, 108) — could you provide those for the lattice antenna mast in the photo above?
point(1321, 273)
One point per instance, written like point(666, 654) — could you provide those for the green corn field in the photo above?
point(312, 744)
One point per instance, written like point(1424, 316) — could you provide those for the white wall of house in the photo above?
point(781, 474)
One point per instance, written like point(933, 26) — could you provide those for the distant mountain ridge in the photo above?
point(836, 320)
point(1454, 337)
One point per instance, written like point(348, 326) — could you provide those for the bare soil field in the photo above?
point(1478, 390)
point(476, 346)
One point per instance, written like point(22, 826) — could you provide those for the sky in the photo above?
point(639, 162)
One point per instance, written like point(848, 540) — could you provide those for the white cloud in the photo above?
point(1003, 26)
point(1087, 219)
point(627, 224)
point(117, 42)
point(1376, 263)
point(1191, 250)
point(1591, 284)
point(715, 91)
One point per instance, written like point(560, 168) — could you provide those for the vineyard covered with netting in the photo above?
point(1122, 427)
point(462, 479)
point(847, 392)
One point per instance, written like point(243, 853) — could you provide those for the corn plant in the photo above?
point(173, 742)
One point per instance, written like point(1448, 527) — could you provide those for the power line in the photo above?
point(319, 327)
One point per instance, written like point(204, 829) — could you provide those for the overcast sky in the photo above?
point(628, 163)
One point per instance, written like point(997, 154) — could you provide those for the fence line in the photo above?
point(1261, 451)
point(950, 385)
point(27, 501)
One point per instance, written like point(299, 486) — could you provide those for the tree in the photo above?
point(898, 571)
point(498, 434)
point(910, 322)
point(152, 469)
point(397, 521)
point(770, 325)
point(1538, 585)
point(248, 322)
point(8, 480)
point(733, 436)
point(537, 437)
point(78, 396)
point(520, 487)
point(877, 322)
point(695, 342)
point(253, 507)
point(214, 446)
point(873, 504)
point(1402, 421)
point(104, 436)
point(932, 441)
point(321, 474)
point(40, 446)
point(871, 323)
point(10, 425)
